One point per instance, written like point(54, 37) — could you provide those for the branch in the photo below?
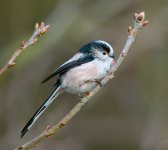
point(39, 30)
point(137, 23)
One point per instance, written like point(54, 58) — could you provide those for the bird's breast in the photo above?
point(76, 80)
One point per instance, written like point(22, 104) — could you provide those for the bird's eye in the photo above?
point(104, 52)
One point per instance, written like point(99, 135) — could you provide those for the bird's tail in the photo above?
point(42, 108)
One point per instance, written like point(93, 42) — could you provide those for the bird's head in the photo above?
point(99, 49)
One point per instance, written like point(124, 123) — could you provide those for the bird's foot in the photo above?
point(96, 81)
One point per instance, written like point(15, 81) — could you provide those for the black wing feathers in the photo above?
point(41, 109)
point(69, 66)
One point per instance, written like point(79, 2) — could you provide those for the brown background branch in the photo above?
point(39, 30)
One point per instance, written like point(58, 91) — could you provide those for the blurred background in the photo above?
point(129, 113)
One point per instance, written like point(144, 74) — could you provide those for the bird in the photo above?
point(79, 75)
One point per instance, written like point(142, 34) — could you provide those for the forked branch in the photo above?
point(138, 22)
point(39, 30)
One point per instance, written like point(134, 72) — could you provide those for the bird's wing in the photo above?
point(72, 63)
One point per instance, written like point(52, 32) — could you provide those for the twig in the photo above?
point(39, 30)
point(137, 23)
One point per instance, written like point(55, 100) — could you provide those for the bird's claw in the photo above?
point(97, 81)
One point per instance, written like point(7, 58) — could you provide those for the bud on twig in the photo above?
point(36, 26)
point(138, 22)
point(139, 17)
point(145, 23)
point(129, 29)
point(135, 15)
point(43, 31)
point(12, 64)
point(22, 45)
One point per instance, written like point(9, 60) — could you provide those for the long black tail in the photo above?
point(42, 108)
